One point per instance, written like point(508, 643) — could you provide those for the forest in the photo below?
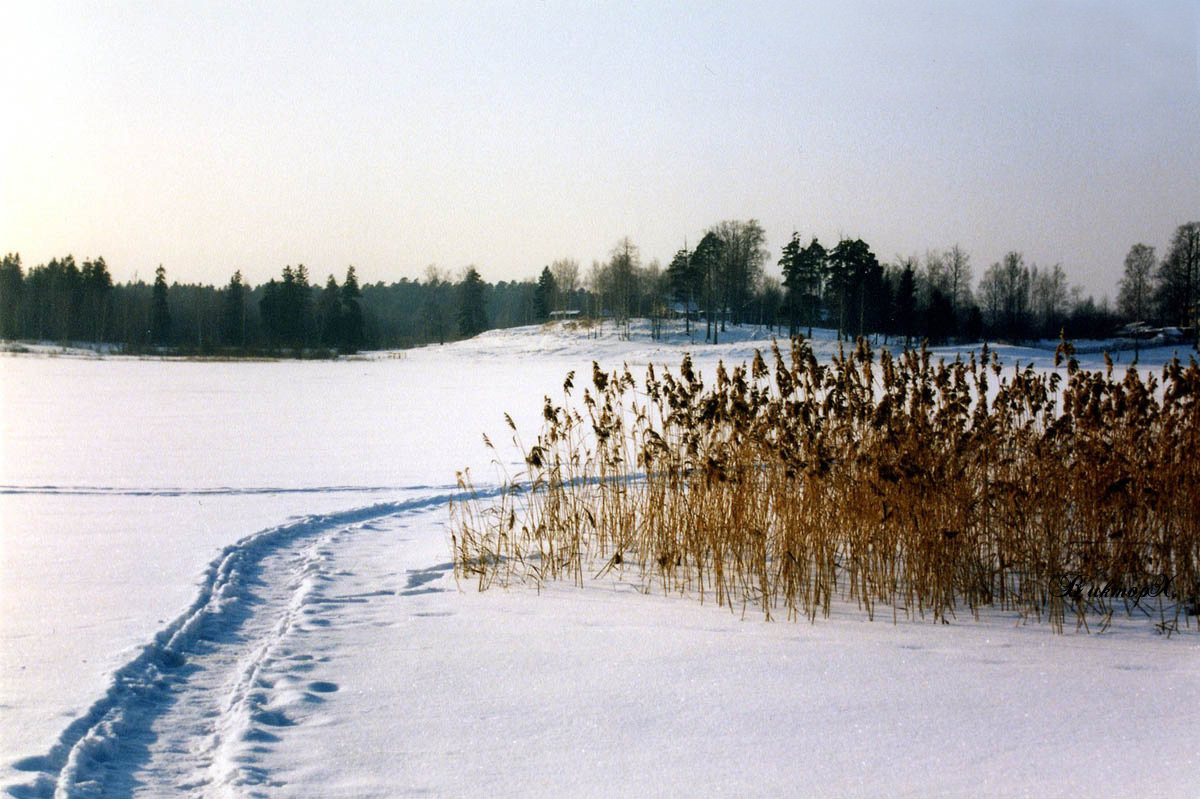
point(723, 279)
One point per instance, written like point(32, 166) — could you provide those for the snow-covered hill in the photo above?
point(610, 343)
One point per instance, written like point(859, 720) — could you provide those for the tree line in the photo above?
point(67, 301)
point(720, 281)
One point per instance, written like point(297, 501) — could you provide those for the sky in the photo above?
point(210, 137)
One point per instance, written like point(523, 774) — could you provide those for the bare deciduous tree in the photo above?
point(1004, 294)
point(933, 277)
point(1133, 298)
point(1048, 296)
point(566, 280)
point(743, 254)
point(958, 268)
point(1179, 277)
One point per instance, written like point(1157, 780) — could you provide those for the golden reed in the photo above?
point(891, 482)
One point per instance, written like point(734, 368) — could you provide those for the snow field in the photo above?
point(121, 478)
point(334, 655)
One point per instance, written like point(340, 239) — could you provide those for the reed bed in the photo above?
point(908, 487)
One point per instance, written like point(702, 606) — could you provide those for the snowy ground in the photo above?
point(232, 579)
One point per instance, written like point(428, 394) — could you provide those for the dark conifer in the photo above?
point(233, 312)
point(160, 319)
point(543, 298)
point(353, 333)
point(472, 313)
point(329, 314)
point(906, 304)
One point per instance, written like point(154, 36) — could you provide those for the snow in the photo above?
point(232, 578)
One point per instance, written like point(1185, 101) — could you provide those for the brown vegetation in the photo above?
point(902, 485)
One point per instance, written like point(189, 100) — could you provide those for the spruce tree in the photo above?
point(270, 309)
point(12, 290)
point(160, 318)
point(543, 298)
point(353, 328)
point(329, 314)
point(96, 285)
point(472, 311)
point(233, 312)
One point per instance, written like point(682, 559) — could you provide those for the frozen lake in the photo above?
point(121, 480)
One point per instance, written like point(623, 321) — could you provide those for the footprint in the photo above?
point(322, 686)
point(40, 763)
point(272, 718)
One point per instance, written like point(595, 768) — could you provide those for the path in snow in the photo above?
point(334, 657)
point(117, 491)
point(191, 713)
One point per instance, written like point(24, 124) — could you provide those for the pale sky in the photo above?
point(211, 137)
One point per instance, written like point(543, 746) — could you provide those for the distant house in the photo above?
point(1155, 336)
point(1174, 335)
point(1139, 330)
point(563, 314)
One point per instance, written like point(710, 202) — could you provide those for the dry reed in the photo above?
point(895, 483)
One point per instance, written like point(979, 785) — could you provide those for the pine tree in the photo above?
point(854, 272)
point(803, 272)
point(837, 279)
point(788, 262)
point(685, 281)
point(707, 260)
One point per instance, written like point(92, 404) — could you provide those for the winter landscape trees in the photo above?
point(472, 315)
point(720, 281)
point(1178, 288)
